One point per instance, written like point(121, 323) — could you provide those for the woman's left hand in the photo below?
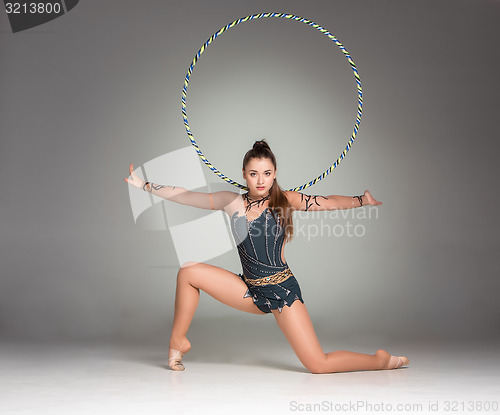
point(370, 200)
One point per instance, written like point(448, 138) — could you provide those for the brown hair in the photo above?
point(277, 201)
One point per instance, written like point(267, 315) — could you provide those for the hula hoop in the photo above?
point(291, 17)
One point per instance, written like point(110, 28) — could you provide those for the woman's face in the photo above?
point(259, 175)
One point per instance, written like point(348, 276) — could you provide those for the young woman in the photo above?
point(261, 222)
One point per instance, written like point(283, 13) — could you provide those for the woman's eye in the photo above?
point(267, 174)
point(252, 174)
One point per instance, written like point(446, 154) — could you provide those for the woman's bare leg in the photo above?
point(223, 285)
point(297, 327)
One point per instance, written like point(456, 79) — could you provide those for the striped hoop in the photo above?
point(291, 17)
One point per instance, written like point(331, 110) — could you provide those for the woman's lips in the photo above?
point(260, 188)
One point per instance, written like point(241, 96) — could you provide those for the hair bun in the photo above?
point(261, 144)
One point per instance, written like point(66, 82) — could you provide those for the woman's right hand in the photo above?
point(134, 179)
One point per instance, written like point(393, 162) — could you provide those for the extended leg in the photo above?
point(297, 327)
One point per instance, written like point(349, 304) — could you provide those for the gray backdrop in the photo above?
point(86, 94)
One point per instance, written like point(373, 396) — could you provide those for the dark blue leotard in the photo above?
point(260, 243)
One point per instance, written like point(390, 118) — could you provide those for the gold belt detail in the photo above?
point(272, 279)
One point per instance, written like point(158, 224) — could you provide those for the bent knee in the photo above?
point(316, 369)
point(316, 366)
point(186, 270)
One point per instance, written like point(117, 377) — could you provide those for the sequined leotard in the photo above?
point(260, 244)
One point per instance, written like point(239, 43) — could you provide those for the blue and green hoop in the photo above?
point(285, 16)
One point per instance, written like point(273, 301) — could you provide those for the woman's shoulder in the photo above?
point(228, 201)
point(291, 195)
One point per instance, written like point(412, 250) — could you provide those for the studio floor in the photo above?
point(83, 378)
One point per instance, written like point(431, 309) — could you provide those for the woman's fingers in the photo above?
point(132, 172)
point(134, 180)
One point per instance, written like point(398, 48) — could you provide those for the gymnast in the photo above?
point(261, 223)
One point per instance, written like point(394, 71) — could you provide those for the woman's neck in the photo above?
point(253, 198)
point(255, 201)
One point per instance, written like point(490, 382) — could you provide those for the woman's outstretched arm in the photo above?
point(213, 201)
point(301, 201)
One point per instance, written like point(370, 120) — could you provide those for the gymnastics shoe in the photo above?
point(397, 361)
point(174, 359)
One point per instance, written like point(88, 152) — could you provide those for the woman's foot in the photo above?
point(177, 348)
point(391, 362)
